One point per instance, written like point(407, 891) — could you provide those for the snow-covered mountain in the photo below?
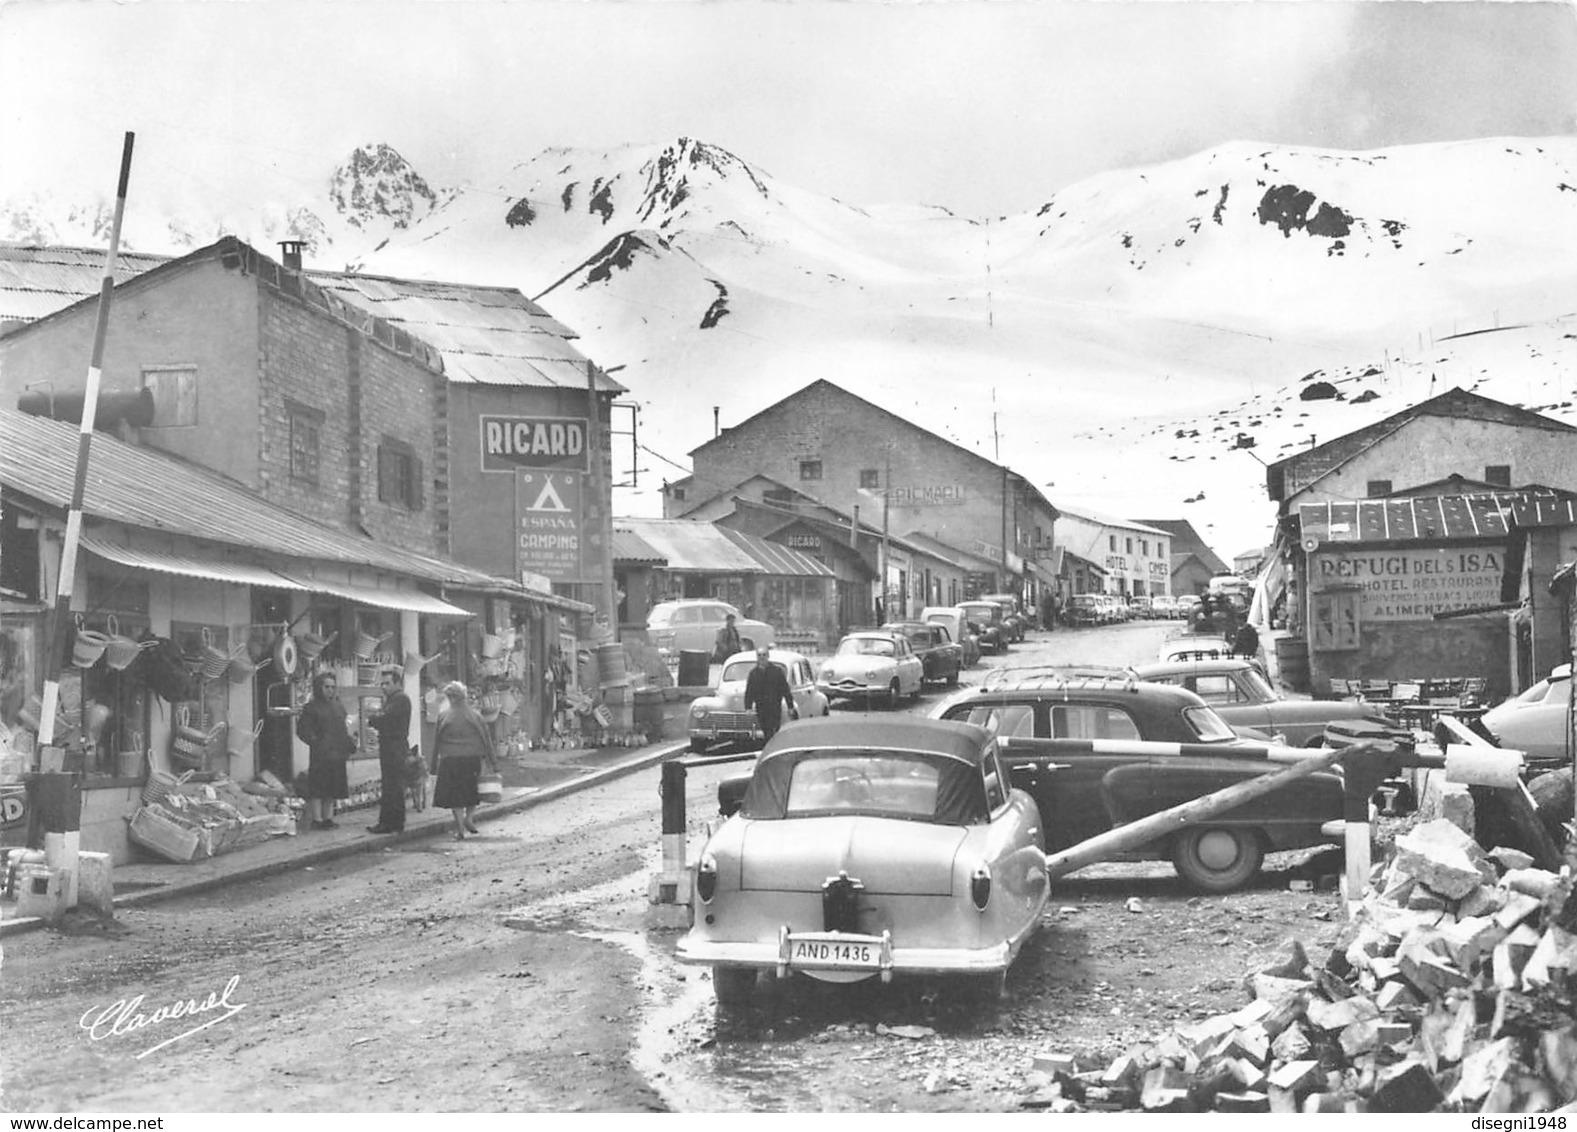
point(1137, 342)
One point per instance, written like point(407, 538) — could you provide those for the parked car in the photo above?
point(940, 658)
point(1242, 696)
point(1139, 606)
point(953, 619)
point(869, 849)
point(1187, 606)
point(691, 625)
point(1084, 788)
point(1194, 647)
point(1538, 721)
point(993, 625)
point(1085, 609)
point(1163, 606)
point(721, 716)
point(872, 664)
point(1012, 615)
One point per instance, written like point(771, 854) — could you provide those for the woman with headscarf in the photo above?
point(461, 741)
point(322, 727)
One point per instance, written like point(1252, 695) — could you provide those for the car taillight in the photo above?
point(706, 879)
point(980, 887)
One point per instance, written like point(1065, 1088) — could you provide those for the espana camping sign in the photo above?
point(1413, 584)
point(512, 443)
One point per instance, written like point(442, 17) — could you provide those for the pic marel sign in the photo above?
point(512, 443)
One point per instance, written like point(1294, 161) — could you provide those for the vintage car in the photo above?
point(989, 617)
point(691, 625)
point(869, 848)
point(1163, 606)
point(1068, 741)
point(952, 619)
point(1017, 622)
point(1084, 609)
point(872, 664)
point(721, 716)
point(1241, 695)
point(940, 658)
point(1538, 721)
point(1192, 646)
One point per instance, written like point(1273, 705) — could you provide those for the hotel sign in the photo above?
point(1413, 585)
point(511, 443)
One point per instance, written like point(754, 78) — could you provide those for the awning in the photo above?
point(211, 569)
point(410, 601)
point(1042, 571)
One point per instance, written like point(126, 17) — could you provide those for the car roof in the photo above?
point(773, 654)
point(1084, 686)
point(879, 634)
point(965, 741)
point(1193, 667)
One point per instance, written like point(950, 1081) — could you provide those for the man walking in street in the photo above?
point(393, 725)
point(727, 643)
point(767, 690)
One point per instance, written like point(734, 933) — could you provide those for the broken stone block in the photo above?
point(1392, 1033)
point(1285, 1013)
point(1297, 1077)
point(1276, 989)
point(1482, 901)
point(1360, 1037)
point(1252, 1014)
point(1249, 1100)
point(1165, 1090)
point(1200, 1036)
point(1384, 967)
point(1423, 899)
point(1251, 1043)
point(1171, 1050)
point(1281, 1100)
point(1339, 1015)
point(1532, 882)
point(1551, 959)
point(1483, 1070)
point(1432, 975)
point(1054, 1063)
point(1394, 995)
point(1325, 1102)
point(1249, 1075)
point(1436, 854)
point(1295, 966)
point(1508, 858)
point(1559, 1049)
point(1519, 906)
point(1407, 1086)
point(1445, 1030)
point(1124, 1072)
point(1469, 938)
point(1291, 1044)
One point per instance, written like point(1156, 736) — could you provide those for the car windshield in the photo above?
point(1209, 726)
point(984, 612)
point(740, 669)
point(865, 782)
point(865, 646)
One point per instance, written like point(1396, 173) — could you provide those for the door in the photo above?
point(274, 741)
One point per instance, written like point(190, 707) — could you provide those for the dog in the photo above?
point(416, 780)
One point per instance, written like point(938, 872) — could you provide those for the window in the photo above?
point(1128, 546)
point(1334, 622)
point(810, 469)
point(1378, 488)
point(306, 438)
point(678, 494)
point(1160, 549)
point(996, 793)
point(870, 478)
point(1006, 721)
point(1144, 547)
point(1091, 721)
point(399, 475)
point(174, 390)
point(1112, 542)
point(1498, 474)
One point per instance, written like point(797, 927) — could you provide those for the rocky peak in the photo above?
point(377, 184)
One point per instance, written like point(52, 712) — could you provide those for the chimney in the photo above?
point(854, 527)
point(290, 253)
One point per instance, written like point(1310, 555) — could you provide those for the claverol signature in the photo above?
point(124, 1017)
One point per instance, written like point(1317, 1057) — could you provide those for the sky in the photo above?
point(985, 107)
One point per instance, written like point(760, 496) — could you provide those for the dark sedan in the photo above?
point(942, 657)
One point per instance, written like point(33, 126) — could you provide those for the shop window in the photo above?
point(1377, 489)
point(1498, 474)
point(18, 556)
point(1334, 622)
point(399, 475)
point(810, 469)
point(870, 478)
point(174, 390)
point(306, 439)
point(121, 693)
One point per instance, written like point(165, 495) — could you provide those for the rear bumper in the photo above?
point(774, 955)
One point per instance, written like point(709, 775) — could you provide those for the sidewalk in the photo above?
point(536, 777)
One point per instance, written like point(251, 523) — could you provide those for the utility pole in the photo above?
point(599, 508)
point(887, 492)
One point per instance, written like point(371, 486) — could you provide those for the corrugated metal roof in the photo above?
point(146, 488)
point(213, 569)
point(30, 273)
point(630, 547)
point(412, 601)
point(1545, 511)
point(1419, 518)
point(686, 545)
point(487, 335)
point(777, 559)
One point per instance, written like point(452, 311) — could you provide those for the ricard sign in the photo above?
point(512, 443)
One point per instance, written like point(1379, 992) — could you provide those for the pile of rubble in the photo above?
point(1451, 990)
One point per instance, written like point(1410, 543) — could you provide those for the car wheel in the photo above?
point(952, 678)
point(1217, 860)
point(732, 985)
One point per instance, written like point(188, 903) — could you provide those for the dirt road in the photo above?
point(391, 981)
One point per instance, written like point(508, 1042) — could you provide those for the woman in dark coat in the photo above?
point(461, 741)
point(329, 743)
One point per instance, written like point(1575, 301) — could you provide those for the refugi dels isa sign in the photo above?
point(549, 525)
point(510, 443)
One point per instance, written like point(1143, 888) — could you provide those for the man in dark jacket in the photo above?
point(726, 643)
point(766, 689)
point(393, 725)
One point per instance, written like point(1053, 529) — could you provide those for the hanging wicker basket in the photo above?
point(240, 669)
point(311, 645)
point(88, 647)
point(366, 644)
point(212, 662)
point(120, 651)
